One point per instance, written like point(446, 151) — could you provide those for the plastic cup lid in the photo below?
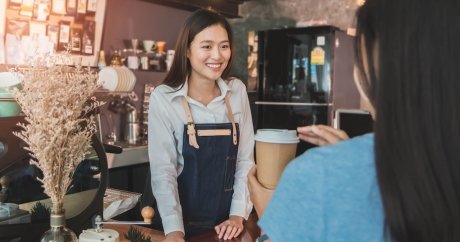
point(280, 136)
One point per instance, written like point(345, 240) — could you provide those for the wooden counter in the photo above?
point(250, 233)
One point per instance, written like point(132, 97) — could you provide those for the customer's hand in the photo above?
point(230, 228)
point(175, 236)
point(260, 196)
point(321, 134)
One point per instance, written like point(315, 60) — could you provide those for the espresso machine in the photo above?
point(129, 127)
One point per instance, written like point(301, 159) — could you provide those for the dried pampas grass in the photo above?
point(57, 102)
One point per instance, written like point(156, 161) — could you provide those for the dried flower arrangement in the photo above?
point(56, 100)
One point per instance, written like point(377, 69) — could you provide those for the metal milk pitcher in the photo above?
point(132, 127)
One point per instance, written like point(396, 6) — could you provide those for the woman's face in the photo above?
point(209, 53)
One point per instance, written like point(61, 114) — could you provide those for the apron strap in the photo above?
point(190, 125)
point(232, 119)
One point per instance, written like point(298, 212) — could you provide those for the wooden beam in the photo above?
point(228, 8)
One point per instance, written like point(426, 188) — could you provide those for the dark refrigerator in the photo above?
point(300, 76)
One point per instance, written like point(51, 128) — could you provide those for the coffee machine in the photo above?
point(129, 127)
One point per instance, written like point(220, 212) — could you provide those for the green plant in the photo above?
point(135, 235)
point(39, 211)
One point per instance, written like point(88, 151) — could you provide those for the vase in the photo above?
point(58, 232)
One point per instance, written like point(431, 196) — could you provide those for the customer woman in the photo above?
point(403, 182)
point(201, 136)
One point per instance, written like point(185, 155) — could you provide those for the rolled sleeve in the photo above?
point(163, 163)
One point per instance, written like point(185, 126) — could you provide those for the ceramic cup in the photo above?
point(275, 148)
point(161, 46)
point(149, 45)
point(133, 62)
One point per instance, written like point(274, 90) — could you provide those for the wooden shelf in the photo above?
point(228, 8)
point(150, 70)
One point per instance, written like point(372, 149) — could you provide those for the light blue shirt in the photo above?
point(328, 194)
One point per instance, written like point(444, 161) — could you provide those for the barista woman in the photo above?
point(201, 135)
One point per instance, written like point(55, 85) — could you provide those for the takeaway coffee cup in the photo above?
point(274, 149)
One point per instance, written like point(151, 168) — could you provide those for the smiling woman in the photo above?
point(201, 136)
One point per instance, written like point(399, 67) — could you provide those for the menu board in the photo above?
point(31, 27)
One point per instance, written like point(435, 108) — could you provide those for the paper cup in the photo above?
point(149, 45)
point(274, 149)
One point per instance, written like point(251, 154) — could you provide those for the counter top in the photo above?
point(250, 233)
point(131, 155)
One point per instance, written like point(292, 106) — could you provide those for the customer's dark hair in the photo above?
point(414, 85)
point(195, 23)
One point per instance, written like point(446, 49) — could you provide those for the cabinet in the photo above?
point(129, 178)
point(128, 171)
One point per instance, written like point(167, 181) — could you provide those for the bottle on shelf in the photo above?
point(64, 35)
point(75, 40)
point(133, 59)
point(101, 60)
point(116, 59)
point(89, 28)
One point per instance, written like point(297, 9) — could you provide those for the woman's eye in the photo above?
point(225, 46)
point(206, 47)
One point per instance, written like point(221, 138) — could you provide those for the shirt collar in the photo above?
point(224, 88)
point(181, 91)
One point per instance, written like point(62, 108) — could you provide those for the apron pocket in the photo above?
point(230, 167)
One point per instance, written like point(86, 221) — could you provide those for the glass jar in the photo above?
point(58, 232)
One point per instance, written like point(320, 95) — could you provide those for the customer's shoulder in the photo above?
point(358, 142)
point(363, 142)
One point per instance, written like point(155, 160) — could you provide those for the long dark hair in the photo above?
point(414, 85)
point(195, 23)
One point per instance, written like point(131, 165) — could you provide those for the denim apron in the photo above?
point(206, 182)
